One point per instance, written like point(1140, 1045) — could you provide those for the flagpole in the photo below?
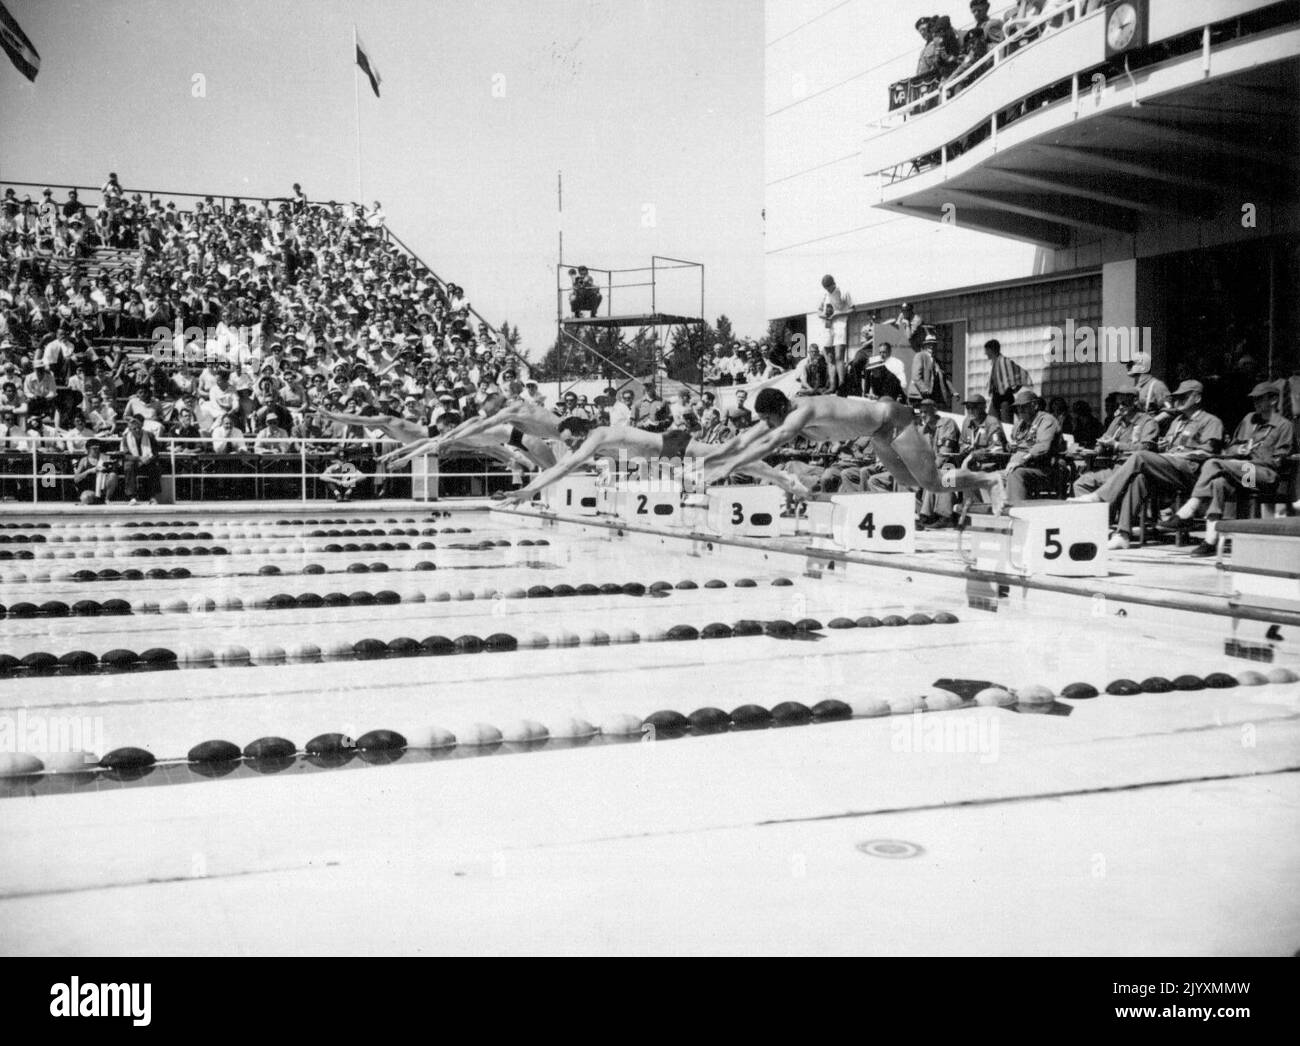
point(356, 97)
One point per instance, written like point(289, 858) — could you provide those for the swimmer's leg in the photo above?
point(911, 461)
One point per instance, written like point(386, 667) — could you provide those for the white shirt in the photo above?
point(838, 300)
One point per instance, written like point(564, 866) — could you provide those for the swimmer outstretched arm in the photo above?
point(587, 450)
point(764, 472)
point(758, 448)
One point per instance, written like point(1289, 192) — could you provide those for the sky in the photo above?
point(653, 110)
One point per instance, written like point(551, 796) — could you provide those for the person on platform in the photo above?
point(1252, 461)
point(896, 440)
point(1193, 437)
point(835, 308)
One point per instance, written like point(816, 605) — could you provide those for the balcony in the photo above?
point(1049, 141)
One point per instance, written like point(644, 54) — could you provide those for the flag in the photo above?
point(367, 67)
point(18, 47)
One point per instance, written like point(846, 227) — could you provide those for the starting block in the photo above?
point(816, 519)
point(752, 512)
point(874, 522)
point(649, 501)
point(1058, 538)
point(576, 494)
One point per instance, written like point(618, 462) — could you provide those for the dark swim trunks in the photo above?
point(516, 438)
point(675, 442)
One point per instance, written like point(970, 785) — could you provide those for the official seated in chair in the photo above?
point(1252, 461)
point(983, 440)
point(1131, 430)
point(937, 505)
point(1194, 436)
point(1035, 444)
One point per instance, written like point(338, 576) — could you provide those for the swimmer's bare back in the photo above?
point(837, 419)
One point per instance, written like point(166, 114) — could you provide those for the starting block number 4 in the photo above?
point(874, 522)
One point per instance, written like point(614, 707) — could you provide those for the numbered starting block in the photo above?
point(654, 501)
point(575, 495)
point(874, 522)
point(815, 519)
point(1042, 537)
point(751, 512)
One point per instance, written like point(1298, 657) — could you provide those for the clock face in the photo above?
point(1121, 27)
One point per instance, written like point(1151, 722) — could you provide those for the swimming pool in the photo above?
point(584, 829)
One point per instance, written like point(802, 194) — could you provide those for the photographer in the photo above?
point(94, 476)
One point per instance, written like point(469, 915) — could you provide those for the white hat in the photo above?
point(1141, 364)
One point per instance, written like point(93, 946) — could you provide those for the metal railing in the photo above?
point(40, 469)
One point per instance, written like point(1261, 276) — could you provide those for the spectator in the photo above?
point(342, 476)
point(1130, 430)
point(1152, 393)
point(683, 413)
point(1252, 461)
point(1035, 443)
point(1084, 425)
point(886, 376)
point(1006, 378)
point(622, 412)
point(740, 417)
point(140, 458)
point(272, 438)
point(982, 437)
point(814, 374)
point(40, 389)
point(1193, 438)
point(227, 436)
point(936, 510)
point(991, 28)
point(93, 476)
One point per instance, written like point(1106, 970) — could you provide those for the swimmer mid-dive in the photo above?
point(891, 427)
point(524, 426)
point(614, 441)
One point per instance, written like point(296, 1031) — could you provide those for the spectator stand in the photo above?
point(647, 294)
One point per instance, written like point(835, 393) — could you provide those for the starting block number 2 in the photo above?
point(660, 508)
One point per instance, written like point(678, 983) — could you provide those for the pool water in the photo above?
point(1103, 801)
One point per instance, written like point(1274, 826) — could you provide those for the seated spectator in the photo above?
point(936, 510)
point(1060, 410)
point(76, 433)
point(1130, 430)
point(104, 417)
point(683, 413)
point(1193, 438)
point(12, 435)
point(1252, 461)
point(40, 389)
point(93, 476)
point(1084, 425)
point(1035, 443)
point(814, 374)
point(982, 439)
point(227, 436)
point(140, 460)
point(12, 399)
point(712, 429)
point(623, 411)
point(740, 417)
point(272, 438)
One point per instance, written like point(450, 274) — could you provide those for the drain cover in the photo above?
point(892, 848)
